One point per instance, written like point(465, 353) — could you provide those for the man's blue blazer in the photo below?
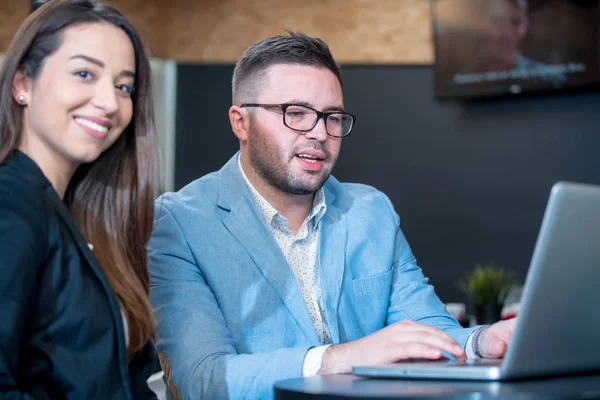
point(231, 317)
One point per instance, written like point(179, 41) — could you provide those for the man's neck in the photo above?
point(295, 208)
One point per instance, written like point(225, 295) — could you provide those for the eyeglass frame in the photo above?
point(320, 115)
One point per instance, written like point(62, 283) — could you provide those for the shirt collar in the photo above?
point(269, 212)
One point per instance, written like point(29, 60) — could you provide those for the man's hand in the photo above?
point(495, 338)
point(405, 340)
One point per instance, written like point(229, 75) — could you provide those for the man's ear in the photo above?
point(240, 122)
point(21, 88)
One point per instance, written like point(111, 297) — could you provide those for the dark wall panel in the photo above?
point(469, 180)
point(203, 137)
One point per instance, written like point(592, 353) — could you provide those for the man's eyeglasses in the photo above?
point(303, 118)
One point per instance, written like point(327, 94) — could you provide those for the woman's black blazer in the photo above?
point(61, 330)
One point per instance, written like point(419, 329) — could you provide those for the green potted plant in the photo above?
point(487, 287)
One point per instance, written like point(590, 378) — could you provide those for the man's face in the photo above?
point(289, 161)
point(507, 26)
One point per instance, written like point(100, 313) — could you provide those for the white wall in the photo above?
point(164, 79)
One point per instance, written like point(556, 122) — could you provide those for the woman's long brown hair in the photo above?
point(111, 198)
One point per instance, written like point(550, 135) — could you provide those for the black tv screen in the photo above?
point(512, 47)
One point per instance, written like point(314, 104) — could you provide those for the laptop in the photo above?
point(559, 318)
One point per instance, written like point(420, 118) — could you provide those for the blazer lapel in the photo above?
point(333, 232)
point(97, 270)
point(246, 224)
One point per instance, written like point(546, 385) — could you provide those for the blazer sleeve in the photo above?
point(197, 351)
point(23, 238)
point(412, 297)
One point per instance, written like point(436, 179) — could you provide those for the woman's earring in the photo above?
point(21, 99)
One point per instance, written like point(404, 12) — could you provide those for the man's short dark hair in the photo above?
point(250, 71)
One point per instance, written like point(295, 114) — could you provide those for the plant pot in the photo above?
point(487, 313)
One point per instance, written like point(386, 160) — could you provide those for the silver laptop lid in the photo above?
point(559, 321)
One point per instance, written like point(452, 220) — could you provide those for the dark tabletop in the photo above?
point(353, 387)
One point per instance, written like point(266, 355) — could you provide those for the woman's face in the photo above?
point(80, 102)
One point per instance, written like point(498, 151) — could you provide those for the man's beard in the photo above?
point(265, 158)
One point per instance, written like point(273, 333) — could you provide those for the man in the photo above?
point(507, 25)
point(270, 268)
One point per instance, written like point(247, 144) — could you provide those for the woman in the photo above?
point(77, 147)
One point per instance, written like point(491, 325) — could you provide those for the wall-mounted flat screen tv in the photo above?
point(512, 47)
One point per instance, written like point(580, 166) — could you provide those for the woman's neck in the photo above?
point(56, 169)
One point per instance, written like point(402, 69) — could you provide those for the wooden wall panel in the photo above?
point(358, 31)
point(12, 13)
point(218, 31)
